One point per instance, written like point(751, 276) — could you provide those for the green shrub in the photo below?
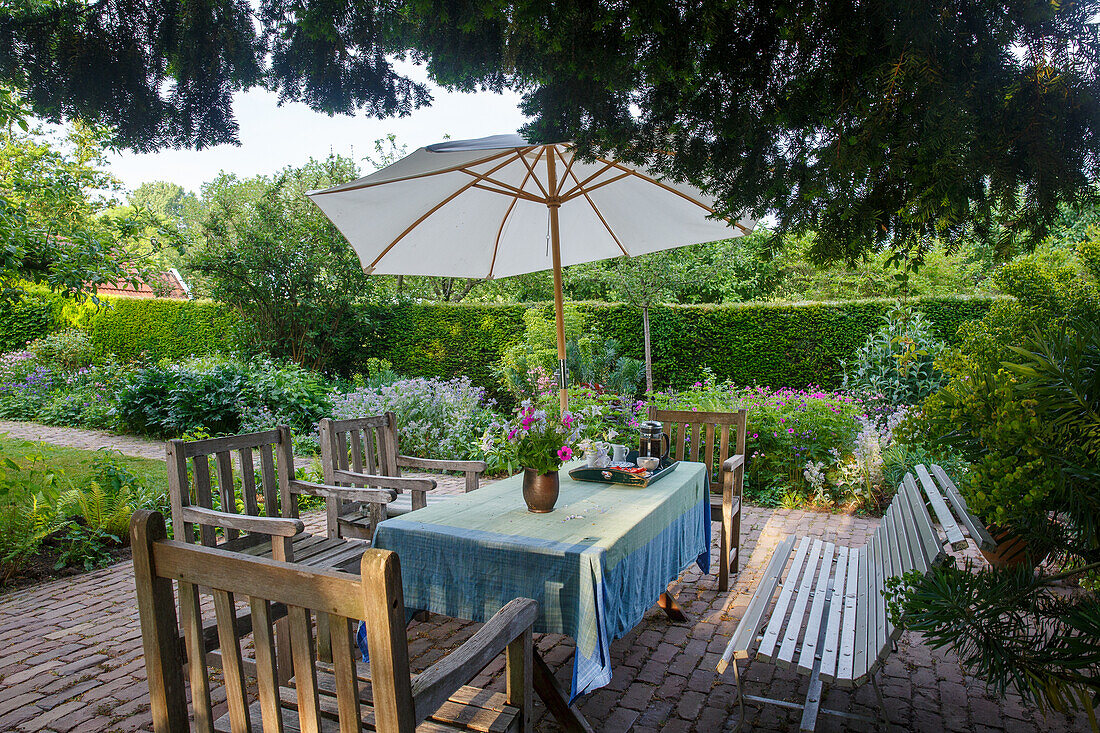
point(29, 492)
point(32, 317)
point(68, 349)
point(898, 360)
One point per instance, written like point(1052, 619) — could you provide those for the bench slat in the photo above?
point(831, 648)
point(817, 610)
point(745, 632)
point(864, 619)
point(929, 536)
point(779, 613)
point(977, 529)
point(879, 617)
point(917, 533)
point(939, 506)
point(848, 630)
point(815, 568)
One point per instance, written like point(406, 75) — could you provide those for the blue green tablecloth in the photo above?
point(595, 564)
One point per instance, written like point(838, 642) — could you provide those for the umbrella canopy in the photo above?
point(499, 206)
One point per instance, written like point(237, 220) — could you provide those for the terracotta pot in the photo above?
point(540, 490)
point(1011, 550)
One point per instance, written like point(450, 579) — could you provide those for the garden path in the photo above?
point(70, 658)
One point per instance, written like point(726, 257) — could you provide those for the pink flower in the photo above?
point(790, 430)
point(568, 420)
point(512, 434)
point(565, 453)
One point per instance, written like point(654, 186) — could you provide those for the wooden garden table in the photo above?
point(595, 564)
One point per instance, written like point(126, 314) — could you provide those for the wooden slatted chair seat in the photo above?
point(364, 452)
point(718, 440)
point(469, 708)
point(829, 620)
point(339, 696)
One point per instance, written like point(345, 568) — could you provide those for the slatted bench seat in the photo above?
point(829, 620)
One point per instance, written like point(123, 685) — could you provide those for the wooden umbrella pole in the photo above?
point(554, 203)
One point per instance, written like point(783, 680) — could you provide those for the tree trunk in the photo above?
point(648, 355)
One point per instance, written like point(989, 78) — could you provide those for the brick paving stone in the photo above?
point(74, 645)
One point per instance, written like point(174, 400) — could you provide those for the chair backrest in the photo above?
point(264, 488)
point(360, 445)
point(271, 590)
point(706, 437)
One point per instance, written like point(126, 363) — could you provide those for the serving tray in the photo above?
point(612, 475)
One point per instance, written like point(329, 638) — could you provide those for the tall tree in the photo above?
point(878, 123)
point(273, 255)
point(54, 227)
point(645, 281)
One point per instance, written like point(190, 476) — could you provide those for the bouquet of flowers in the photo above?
point(538, 439)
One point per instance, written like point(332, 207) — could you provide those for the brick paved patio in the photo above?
point(70, 650)
point(70, 659)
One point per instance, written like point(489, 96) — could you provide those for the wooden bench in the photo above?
point(364, 452)
point(329, 697)
point(830, 619)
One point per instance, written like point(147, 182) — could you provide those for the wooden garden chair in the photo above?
point(258, 512)
point(328, 697)
point(718, 440)
point(364, 452)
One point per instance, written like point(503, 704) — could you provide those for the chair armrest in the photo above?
point(733, 462)
point(437, 683)
point(275, 526)
point(398, 483)
point(351, 493)
point(434, 464)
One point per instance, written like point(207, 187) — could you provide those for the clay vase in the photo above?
point(1011, 551)
point(540, 490)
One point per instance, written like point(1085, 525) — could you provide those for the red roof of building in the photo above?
point(167, 285)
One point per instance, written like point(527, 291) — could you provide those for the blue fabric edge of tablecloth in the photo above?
point(600, 674)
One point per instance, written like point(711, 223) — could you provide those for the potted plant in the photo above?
point(542, 441)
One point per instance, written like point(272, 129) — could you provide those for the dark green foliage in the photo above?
point(1008, 628)
point(132, 328)
point(873, 123)
point(25, 320)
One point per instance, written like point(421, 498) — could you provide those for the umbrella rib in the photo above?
point(571, 192)
point(452, 169)
point(601, 184)
point(568, 172)
point(508, 213)
point(369, 268)
point(600, 215)
point(531, 170)
point(514, 194)
point(670, 189)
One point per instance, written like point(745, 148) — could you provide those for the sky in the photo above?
point(273, 137)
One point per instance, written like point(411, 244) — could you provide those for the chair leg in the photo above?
point(735, 541)
point(723, 560)
point(324, 638)
point(740, 701)
point(881, 701)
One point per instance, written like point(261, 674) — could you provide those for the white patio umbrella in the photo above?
point(500, 206)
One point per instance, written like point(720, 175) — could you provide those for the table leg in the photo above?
point(568, 716)
point(671, 608)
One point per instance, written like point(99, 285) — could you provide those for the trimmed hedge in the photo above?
point(780, 344)
point(777, 344)
point(162, 328)
point(444, 340)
